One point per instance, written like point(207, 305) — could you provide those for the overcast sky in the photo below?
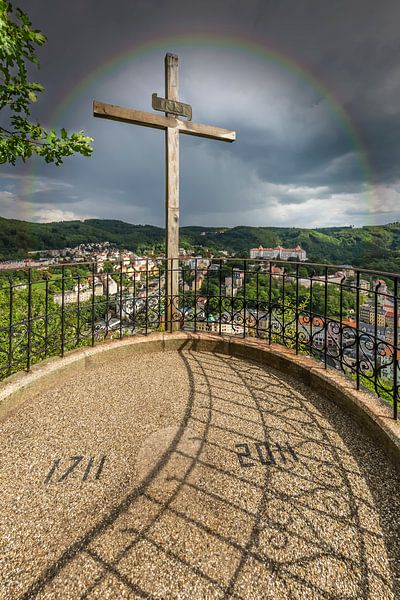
point(312, 88)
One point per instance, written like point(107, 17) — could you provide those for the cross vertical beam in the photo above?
point(173, 127)
point(172, 196)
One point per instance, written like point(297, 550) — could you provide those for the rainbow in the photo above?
point(255, 48)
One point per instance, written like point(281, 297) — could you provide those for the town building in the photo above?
point(278, 253)
point(84, 294)
point(387, 361)
point(367, 315)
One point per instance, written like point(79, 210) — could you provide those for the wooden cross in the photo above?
point(173, 126)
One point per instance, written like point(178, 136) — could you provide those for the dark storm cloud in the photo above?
point(291, 200)
point(294, 155)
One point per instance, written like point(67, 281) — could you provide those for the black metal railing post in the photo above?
point(375, 292)
point(11, 328)
point(341, 353)
point(146, 326)
point(358, 329)
point(257, 332)
point(195, 294)
point(270, 304)
point(29, 323)
point(220, 298)
point(159, 296)
point(311, 314)
point(46, 317)
point(297, 311)
point(120, 299)
point(207, 303)
point(133, 313)
point(326, 317)
point(232, 302)
point(283, 306)
point(62, 309)
point(396, 348)
point(78, 308)
point(93, 301)
point(106, 319)
point(244, 297)
point(167, 288)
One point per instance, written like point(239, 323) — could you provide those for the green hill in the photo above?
point(375, 247)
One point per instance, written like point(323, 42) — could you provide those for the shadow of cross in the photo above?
point(172, 126)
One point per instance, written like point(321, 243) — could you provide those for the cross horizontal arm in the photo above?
point(146, 119)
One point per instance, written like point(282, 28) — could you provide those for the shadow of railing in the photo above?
point(230, 523)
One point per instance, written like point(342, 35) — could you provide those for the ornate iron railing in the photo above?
point(348, 318)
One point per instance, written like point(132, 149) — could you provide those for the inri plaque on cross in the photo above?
point(173, 126)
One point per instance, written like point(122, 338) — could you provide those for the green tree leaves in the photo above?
point(21, 137)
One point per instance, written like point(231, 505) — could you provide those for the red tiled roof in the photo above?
point(349, 323)
point(389, 351)
point(316, 321)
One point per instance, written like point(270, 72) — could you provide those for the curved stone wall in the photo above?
point(370, 412)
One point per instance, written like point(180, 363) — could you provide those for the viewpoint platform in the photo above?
point(190, 474)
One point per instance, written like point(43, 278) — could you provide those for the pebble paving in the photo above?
point(192, 475)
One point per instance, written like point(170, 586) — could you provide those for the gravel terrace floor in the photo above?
point(192, 475)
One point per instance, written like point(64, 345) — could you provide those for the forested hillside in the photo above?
point(375, 247)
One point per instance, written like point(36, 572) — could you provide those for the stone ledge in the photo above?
point(364, 408)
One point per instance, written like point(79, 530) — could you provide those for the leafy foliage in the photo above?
point(34, 326)
point(24, 137)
